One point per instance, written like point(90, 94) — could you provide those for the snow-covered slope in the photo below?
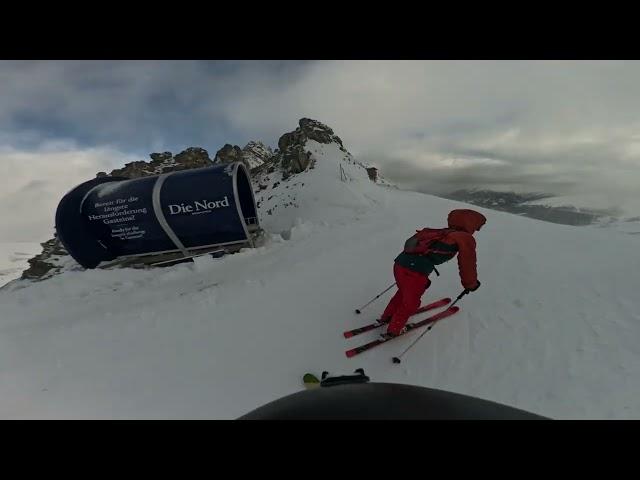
point(554, 328)
point(14, 258)
point(335, 189)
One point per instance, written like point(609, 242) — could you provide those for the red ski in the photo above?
point(372, 326)
point(410, 326)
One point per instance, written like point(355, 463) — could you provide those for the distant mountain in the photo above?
point(530, 205)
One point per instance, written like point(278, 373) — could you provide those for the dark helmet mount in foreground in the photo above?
point(352, 397)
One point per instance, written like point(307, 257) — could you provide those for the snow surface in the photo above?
point(553, 329)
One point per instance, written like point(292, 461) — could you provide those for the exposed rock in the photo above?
point(193, 157)
point(229, 154)
point(161, 157)
point(291, 154)
point(44, 264)
point(133, 170)
point(319, 132)
point(373, 173)
point(256, 154)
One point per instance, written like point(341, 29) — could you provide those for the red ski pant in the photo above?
point(406, 301)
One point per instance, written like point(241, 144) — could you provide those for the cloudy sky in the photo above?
point(569, 128)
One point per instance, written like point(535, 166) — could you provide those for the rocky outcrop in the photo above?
point(161, 157)
point(315, 130)
point(256, 154)
point(292, 156)
point(46, 263)
point(253, 155)
point(132, 170)
point(228, 154)
point(193, 157)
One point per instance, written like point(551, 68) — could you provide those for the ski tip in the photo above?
point(348, 334)
point(350, 353)
point(454, 309)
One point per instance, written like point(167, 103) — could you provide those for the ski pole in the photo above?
point(358, 310)
point(397, 359)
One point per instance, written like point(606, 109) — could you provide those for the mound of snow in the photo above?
point(335, 189)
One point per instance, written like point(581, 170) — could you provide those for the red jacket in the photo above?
point(460, 242)
point(466, 223)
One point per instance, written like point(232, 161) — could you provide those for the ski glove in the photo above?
point(469, 290)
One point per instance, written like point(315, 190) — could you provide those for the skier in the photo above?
point(422, 252)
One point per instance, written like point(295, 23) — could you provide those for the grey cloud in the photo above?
point(560, 126)
point(32, 182)
point(553, 126)
point(499, 177)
